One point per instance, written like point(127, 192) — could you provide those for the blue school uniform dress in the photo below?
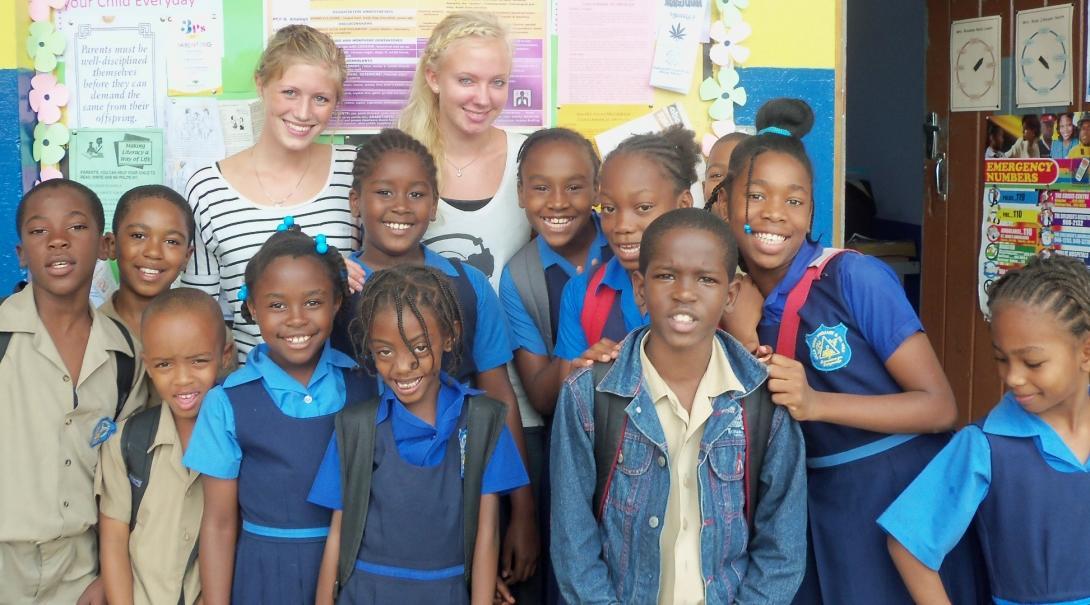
point(1031, 499)
point(485, 342)
point(268, 431)
point(558, 272)
point(854, 319)
point(412, 550)
point(624, 315)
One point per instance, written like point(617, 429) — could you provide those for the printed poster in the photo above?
point(1035, 203)
point(383, 39)
point(112, 161)
point(976, 74)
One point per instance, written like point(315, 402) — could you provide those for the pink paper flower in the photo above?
point(720, 128)
point(47, 96)
point(49, 173)
point(40, 9)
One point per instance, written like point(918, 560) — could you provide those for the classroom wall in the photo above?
point(885, 103)
point(17, 168)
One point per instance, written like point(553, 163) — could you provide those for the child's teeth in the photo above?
point(150, 271)
point(558, 221)
point(398, 226)
point(60, 264)
point(771, 238)
point(298, 340)
point(684, 318)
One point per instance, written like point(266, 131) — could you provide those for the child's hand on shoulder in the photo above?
point(356, 276)
point(787, 382)
point(94, 594)
point(604, 350)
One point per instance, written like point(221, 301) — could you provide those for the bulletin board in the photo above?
point(709, 64)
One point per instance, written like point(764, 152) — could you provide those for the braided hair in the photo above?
point(674, 150)
point(557, 134)
point(391, 139)
point(411, 287)
point(296, 244)
point(1058, 283)
point(781, 124)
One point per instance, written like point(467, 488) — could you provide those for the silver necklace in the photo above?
point(283, 200)
point(458, 169)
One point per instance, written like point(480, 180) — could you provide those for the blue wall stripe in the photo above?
point(17, 169)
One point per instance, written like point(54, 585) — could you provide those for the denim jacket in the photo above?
point(616, 559)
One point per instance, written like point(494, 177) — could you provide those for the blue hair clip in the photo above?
point(747, 229)
point(288, 222)
point(320, 245)
point(243, 293)
point(775, 130)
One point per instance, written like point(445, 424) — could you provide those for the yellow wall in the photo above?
point(13, 31)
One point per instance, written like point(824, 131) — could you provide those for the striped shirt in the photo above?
point(231, 229)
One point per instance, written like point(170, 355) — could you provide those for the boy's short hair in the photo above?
point(688, 218)
point(189, 300)
point(92, 200)
point(162, 192)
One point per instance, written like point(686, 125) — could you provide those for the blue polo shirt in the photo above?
point(871, 289)
point(491, 342)
point(934, 511)
point(524, 332)
point(214, 449)
point(571, 342)
point(422, 444)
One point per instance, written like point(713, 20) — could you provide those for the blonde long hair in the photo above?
point(420, 117)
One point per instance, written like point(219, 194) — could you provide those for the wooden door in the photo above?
point(951, 227)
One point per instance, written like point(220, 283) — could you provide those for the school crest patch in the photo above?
point(829, 348)
point(102, 431)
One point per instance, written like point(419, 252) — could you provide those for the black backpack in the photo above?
point(355, 426)
point(610, 421)
point(137, 437)
point(126, 364)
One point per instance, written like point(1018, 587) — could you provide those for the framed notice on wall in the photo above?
point(975, 73)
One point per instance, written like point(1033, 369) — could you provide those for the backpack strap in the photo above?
point(136, 439)
point(789, 324)
point(355, 427)
point(610, 421)
point(597, 303)
point(528, 273)
point(757, 411)
point(126, 368)
point(484, 424)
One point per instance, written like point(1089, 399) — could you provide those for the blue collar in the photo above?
point(451, 395)
point(431, 259)
point(777, 298)
point(1009, 419)
point(616, 276)
point(598, 247)
point(260, 366)
point(625, 376)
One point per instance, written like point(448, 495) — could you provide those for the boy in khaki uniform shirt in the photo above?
point(184, 348)
point(58, 385)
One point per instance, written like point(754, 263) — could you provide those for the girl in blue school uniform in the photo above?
point(646, 176)
point(413, 549)
point(395, 197)
point(1023, 470)
point(851, 363)
point(260, 437)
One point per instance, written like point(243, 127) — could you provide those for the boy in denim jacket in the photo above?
point(672, 526)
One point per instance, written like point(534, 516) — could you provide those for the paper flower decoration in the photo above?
point(44, 44)
point(40, 9)
point(727, 49)
point(731, 10)
point(49, 173)
point(49, 142)
point(725, 91)
point(720, 128)
point(47, 96)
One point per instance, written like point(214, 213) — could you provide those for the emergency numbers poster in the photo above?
point(1033, 205)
